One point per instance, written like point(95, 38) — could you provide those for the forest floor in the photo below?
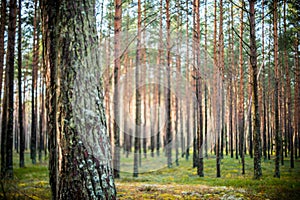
point(178, 182)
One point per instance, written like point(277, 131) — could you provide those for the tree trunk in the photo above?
point(178, 103)
point(222, 71)
point(8, 105)
point(205, 87)
point(138, 112)
point(196, 36)
point(217, 95)
point(297, 96)
point(34, 86)
point(232, 77)
point(241, 91)
point(168, 97)
point(187, 125)
point(2, 30)
point(264, 88)
point(277, 128)
point(21, 129)
point(79, 150)
point(253, 62)
point(117, 69)
point(289, 96)
point(159, 62)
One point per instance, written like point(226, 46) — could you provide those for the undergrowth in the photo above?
point(178, 182)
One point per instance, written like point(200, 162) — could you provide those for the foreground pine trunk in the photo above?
point(79, 150)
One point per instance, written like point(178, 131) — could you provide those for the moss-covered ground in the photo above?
point(178, 182)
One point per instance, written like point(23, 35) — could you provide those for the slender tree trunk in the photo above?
point(241, 91)
point(21, 129)
point(217, 95)
point(4, 100)
point(159, 63)
point(253, 62)
point(289, 96)
point(138, 117)
point(187, 74)
point(9, 80)
point(232, 77)
point(178, 104)
point(277, 128)
point(2, 30)
point(168, 97)
point(198, 89)
point(297, 97)
point(34, 87)
point(269, 101)
point(205, 86)
point(222, 70)
point(41, 122)
point(117, 68)
point(264, 88)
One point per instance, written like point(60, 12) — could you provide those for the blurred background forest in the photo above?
point(190, 89)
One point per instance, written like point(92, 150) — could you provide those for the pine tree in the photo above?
point(82, 170)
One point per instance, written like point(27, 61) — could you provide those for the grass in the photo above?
point(178, 182)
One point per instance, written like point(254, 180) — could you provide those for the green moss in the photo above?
point(170, 183)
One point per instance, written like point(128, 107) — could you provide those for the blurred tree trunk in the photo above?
point(289, 129)
point(138, 117)
point(253, 63)
point(205, 86)
point(277, 128)
point(187, 154)
point(264, 88)
point(8, 100)
point(34, 86)
point(198, 80)
point(178, 103)
point(8, 104)
point(168, 97)
point(222, 71)
point(217, 94)
point(241, 90)
point(21, 129)
point(117, 69)
point(158, 87)
point(232, 77)
point(297, 97)
point(2, 30)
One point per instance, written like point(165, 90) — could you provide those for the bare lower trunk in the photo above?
point(253, 62)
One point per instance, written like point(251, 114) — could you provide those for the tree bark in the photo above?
point(34, 86)
point(217, 95)
point(8, 105)
point(276, 107)
point(200, 166)
point(241, 91)
point(168, 97)
point(205, 87)
point(21, 129)
point(2, 30)
point(253, 62)
point(187, 125)
point(117, 69)
point(289, 96)
point(79, 150)
point(138, 112)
